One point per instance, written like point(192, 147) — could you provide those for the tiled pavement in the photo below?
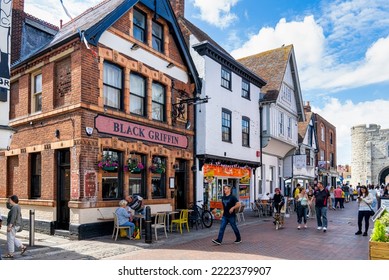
point(260, 241)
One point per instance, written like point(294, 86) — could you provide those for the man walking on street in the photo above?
point(230, 204)
point(321, 196)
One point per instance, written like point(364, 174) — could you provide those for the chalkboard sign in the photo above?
point(378, 213)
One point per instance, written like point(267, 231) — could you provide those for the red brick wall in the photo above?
point(14, 100)
point(62, 82)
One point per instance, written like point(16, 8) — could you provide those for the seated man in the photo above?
point(135, 202)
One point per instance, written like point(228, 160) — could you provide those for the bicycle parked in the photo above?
point(200, 215)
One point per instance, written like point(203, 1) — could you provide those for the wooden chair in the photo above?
point(116, 227)
point(183, 220)
point(160, 222)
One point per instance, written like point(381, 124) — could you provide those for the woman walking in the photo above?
point(365, 199)
point(302, 208)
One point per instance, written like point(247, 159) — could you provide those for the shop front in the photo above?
point(215, 176)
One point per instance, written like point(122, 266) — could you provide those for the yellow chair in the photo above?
point(116, 227)
point(181, 221)
point(160, 222)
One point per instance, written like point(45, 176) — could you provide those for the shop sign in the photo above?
point(226, 171)
point(299, 161)
point(122, 128)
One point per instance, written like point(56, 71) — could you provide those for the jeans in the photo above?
point(321, 216)
point(225, 221)
point(130, 231)
point(363, 215)
point(302, 214)
point(12, 241)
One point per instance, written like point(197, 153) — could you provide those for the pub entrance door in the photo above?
point(63, 189)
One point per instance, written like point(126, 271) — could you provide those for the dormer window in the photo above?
point(157, 37)
point(139, 20)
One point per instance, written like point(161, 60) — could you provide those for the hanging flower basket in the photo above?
point(157, 166)
point(107, 163)
point(134, 165)
point(109, 168)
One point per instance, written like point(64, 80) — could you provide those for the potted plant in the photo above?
point(108, 163)
point(134, 165)
point(157, 166)
point(379, 239)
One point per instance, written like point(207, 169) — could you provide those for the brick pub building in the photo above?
point(106, 85)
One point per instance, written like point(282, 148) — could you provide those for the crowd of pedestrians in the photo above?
point(315, 200)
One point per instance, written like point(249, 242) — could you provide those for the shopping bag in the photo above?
point(123, 232)
point(136, 234)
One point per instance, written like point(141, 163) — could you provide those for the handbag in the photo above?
point(372, 212)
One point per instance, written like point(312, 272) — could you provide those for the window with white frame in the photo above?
point(112, 85)
point(139, 29)
point(290, 127)
point(226, 78)
point(271, 179)
point(36, 93)
point(157, 37)
point(323, 133)
point(158, 102)
point(321, 155)
point(137, 94)
point(245, 89)
point(281, 124)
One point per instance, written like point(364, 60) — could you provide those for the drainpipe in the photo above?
point(261, 139)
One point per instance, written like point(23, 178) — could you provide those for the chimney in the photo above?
point(18, 5)
point(307, 107)
point(178, 7)
point(18, 17)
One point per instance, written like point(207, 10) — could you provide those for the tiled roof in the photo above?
point(271, 66)
point(302, 126)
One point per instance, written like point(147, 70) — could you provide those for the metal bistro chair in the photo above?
point(240, 213)
point(255, 209)
point(183, 220)
point(160, 222)
point(116, 227)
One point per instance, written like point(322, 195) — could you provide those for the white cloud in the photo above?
point(216, 12)
point(51, 10)
point(348, 114)
point(317, 68)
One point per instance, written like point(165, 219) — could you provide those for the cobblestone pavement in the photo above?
point(260, 241)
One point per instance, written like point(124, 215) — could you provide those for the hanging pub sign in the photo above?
point(122, 128)
point(5, 47)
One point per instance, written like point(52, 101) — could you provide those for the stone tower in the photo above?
point(370, 155)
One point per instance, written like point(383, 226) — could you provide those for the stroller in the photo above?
point(279, 214)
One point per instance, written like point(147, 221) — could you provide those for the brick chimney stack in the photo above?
point(178, 7)
point(18, 5)
point(18, 16)
point(307, 107)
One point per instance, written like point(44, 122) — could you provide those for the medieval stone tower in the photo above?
point(370, 155)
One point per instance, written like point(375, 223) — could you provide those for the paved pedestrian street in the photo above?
point(260, 242)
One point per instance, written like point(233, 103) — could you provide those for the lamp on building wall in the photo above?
point(135, 46)
point(56, 133)
point(170, 65)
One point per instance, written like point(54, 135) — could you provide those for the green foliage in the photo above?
point(379, 232)
point(384, 219)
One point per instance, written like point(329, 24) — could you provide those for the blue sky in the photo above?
point(341, 48)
